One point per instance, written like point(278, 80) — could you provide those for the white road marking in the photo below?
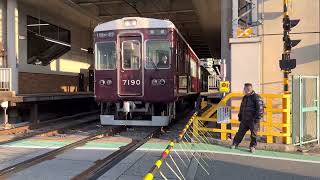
point(160, 150)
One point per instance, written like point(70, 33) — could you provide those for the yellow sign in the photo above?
point(244, 32)
point(224, 86)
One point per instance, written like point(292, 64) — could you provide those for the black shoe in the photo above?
point(234, 146)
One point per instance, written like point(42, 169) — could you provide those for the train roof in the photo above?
point(141, 22)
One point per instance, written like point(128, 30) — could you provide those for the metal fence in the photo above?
point(5, 79)
point(213, 81)
point(305, 106)
point(277, 122)
point(181, 153)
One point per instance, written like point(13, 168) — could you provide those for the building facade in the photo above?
point(258, 55)
point(19, 36)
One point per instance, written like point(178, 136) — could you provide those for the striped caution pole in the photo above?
point(157, 165)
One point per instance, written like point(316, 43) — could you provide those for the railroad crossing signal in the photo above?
point(286, 63)
point(224, 86)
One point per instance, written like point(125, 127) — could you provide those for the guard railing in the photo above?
point(277, 121)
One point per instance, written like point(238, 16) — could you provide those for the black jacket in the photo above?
point(252, 108)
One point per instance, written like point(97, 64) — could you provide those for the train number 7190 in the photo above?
point(127, 82)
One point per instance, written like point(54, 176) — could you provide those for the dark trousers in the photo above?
point(243, 128)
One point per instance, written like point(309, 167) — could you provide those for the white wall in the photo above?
point(246, 63)
point(68, 64)
point(307, 52)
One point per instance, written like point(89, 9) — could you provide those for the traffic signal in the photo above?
point(289, 44)
point(288, 24)
point(286, 63)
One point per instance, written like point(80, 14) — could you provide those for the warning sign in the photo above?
point(224, 115)
point(224, 86)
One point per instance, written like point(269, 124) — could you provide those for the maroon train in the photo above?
point(144, 68)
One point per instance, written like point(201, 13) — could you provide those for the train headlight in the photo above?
point(158, 32)
point(109, 82)
point(162, 82)
point(102, 82)
point(163, 32)
point(154, 82)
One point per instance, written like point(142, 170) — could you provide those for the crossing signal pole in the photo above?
point(286, 63)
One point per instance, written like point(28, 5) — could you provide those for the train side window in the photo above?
point(193, 67)
point(158, 54)
point(106, 56)
point(131, 54)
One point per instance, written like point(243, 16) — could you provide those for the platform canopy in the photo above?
point(198, 20)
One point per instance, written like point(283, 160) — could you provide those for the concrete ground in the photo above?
point(221, 163)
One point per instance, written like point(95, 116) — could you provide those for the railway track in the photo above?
point(29, 127)
point(7, 172)
point(101, 166)
point(139, 136)
point(53, 126)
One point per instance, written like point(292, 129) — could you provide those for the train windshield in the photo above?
point(158, 54)
point(106, 55)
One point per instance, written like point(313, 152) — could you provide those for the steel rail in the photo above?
point(102, 166)
point(29, 126)
point(6, 172)
point(47, 130)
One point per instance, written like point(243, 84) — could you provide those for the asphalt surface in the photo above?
point(231, 167)
point(242, 166)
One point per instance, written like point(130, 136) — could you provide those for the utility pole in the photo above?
point(286, 63)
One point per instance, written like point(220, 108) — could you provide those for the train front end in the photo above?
point(134, 77)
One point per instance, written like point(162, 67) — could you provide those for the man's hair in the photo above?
point(247, 85)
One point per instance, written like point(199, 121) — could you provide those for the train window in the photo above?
point(158, 54)
point(131, 54)
point(106, 55)
point(193, 68)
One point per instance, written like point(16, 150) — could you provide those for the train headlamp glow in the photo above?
point(158, 82)
point(158, 32)
point(130, 22)
point(109, 82)
point(162, 82)
point(154, 82)
point(102, 82)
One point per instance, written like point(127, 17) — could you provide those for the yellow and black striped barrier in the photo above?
point(157, 165)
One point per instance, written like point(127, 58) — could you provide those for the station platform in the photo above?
point(40, 106)
point(10, 96)
point(54, 96)
point(214, 94)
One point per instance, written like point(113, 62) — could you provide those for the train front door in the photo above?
point(130, 74)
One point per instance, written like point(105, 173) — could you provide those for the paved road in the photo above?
point(223, 164)
point(231, 167)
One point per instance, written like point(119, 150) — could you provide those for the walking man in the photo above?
point(250, 114)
